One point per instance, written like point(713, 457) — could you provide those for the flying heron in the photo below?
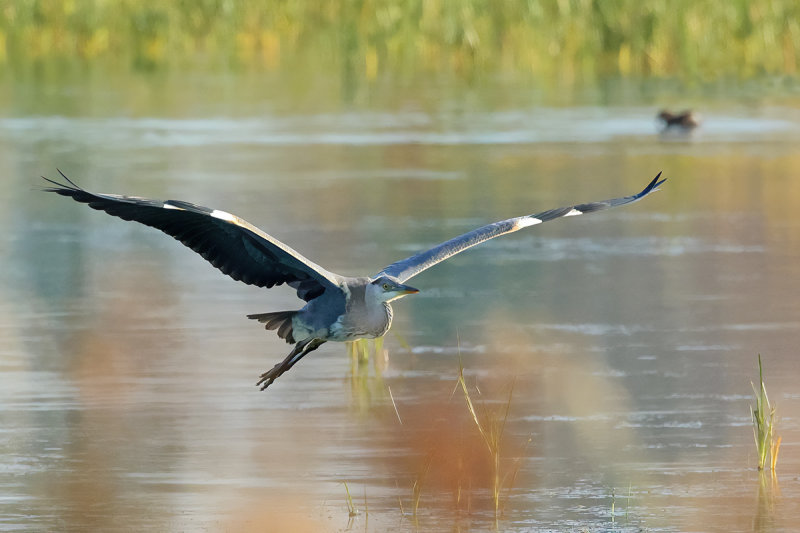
point(338, 308)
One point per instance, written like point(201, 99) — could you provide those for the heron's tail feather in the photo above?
point(280, 320)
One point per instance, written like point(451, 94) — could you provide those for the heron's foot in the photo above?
point(268, 377)
point(300, 350)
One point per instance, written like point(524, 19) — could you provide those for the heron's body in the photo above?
point(338, 308)
point(344, 315)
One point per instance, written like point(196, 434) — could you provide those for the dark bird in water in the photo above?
point(337, 308)
point(683, 122)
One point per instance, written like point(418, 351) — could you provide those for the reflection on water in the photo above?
point(127, 397)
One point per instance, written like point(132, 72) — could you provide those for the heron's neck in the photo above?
point(388, 310)
point(381, 308)
point(375, 314)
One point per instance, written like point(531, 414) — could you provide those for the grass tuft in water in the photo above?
point(368, 360)
point(628, 505)
point(763, 415)
point(351, 507)
point(358, 350)
point(456, 459)
point(491, 424)
point(613, 504)
point(416, 488)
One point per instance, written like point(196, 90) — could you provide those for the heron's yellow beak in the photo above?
point(405, 289)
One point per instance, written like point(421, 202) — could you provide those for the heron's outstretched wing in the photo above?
point(411, 266)
point(234, 246)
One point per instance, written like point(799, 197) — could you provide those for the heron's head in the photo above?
point(386, 289)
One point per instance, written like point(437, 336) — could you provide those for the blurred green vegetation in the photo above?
point(571, 41)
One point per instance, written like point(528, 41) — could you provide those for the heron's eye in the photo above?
point(386, 286)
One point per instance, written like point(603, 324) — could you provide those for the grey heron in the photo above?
point(337, 308)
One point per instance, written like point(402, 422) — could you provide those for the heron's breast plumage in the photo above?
point(362, 317)
point(347, 327)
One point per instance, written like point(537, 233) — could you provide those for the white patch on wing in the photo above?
point(170, 206)
point(337, 328)
point(222, 215)
point(524, 222)
point(574, 213)
point(346, 291)
point(300, 331)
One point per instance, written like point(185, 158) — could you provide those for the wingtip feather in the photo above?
point(659, 182)
point(62, 188)
point(652, 186)
point(68, 180)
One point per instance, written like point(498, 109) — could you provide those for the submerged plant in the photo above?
point(763, 415)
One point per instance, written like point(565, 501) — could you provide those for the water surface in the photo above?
point(629, 338)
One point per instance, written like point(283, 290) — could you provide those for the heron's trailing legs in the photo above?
point(300, 350)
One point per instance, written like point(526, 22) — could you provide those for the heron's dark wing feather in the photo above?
point(234, 246)
point(411, 266)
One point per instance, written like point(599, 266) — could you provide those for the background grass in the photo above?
point(568, 41)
